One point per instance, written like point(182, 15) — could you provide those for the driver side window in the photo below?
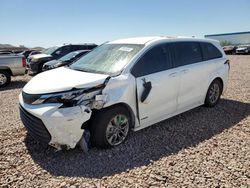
point(155, 60)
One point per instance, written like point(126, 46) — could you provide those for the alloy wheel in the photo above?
point(3, 79)
point(214, 93)
point(117, 130)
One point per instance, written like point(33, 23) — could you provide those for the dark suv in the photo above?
point(36, 62)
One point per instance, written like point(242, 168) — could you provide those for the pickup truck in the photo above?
point(11, 65)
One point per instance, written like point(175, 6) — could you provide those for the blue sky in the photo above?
point(51, 22)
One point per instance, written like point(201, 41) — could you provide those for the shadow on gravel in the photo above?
point(16, 84)
point(142, 147)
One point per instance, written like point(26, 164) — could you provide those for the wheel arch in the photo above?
point(220, 80)
point(127, 107)
point(124, 105)
point(7, 69)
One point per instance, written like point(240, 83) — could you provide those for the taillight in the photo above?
point(24, 61)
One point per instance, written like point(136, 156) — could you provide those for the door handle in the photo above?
point(185, 71)
point(147, 88)
point(174, 74)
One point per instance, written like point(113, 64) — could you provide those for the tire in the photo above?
point(4, 78)
point(213, 93)
point(110, 125)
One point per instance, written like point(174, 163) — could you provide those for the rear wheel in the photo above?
point(4, 78)
point(213, 93)
point(110, 127)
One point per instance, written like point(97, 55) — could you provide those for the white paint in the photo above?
point(173, 91)
point(164, 91)
point(63, 124)
point(136, 40)
point(62, 79)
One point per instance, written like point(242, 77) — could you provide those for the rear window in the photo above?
point(210, 51)
point(187, 53)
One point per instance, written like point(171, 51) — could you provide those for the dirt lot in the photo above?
point(200, 148)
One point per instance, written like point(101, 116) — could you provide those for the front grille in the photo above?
point(30, 98)
point(34, 126)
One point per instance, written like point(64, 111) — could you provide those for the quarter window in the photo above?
point(187, 53)
point(210, 51)
point(155, 60)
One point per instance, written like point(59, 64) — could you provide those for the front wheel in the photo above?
point(213, 93)
point(110, 127)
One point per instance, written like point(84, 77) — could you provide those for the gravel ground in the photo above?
point(205, 147)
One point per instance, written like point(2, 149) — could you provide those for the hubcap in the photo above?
point(117, 130)
point(214, 93)
point(3, 79)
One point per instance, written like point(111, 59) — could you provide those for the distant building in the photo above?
point(231, 38)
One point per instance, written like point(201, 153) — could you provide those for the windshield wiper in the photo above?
point(82, 70)
point(87, 70)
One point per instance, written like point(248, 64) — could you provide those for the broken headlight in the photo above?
point(70, 98)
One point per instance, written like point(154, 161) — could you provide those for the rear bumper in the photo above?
point(54, 125)
point(18, 71)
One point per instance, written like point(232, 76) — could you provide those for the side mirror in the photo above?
point(147, 88)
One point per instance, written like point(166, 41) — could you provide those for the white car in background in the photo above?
point(123, 85)
point(243, 49)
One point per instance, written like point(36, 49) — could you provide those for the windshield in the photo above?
point(68, 56)
point(107, 58)
point(49, 51)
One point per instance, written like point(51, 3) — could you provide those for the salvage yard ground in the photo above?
point(205, 147)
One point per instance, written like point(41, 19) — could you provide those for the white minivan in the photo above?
point(123, 85)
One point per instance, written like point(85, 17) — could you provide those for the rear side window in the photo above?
point(155, 60)
point(210, 51)
point(187, 53)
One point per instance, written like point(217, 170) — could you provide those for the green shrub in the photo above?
point(225, 43)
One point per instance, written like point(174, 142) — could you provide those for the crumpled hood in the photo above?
point(62, 79)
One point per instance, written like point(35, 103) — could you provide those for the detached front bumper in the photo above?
point(53, 125)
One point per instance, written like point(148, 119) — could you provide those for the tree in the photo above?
point(225, 43)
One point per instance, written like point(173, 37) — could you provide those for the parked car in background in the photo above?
point(64, 60)
point(123, 85)
point(36, 62)
point(5, 53)
point(229, 50)
point(17, 51)
point(27, 53)
point(45, 55)
point(34, 53)
point(11, 65)
point(243, 49)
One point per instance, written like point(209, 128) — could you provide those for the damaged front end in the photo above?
point(62, 113)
